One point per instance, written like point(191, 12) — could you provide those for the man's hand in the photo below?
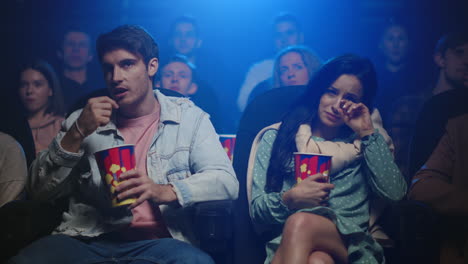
point(97, 112)
point(136, 184)
point(311, 192)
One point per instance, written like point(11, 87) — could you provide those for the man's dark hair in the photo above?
point(183, 59)
point(131, 38)
point(184, 19)
point(451, 41)
point(288, 17)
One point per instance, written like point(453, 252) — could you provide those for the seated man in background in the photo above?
point(77, 77)
point(179, 162)
point(449, 100)
point(442, 184)
point(180, 75)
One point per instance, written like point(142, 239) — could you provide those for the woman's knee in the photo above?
point(320, 257)
point(302, 224)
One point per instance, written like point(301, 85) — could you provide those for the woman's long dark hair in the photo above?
point(56, 104)
point(304, 111)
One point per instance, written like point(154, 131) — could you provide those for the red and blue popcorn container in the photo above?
point(112, 162)
point(308, 164)
point(228, 141)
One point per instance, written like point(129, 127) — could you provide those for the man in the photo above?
point(449, 100)
point(75, 53)
point(441, 183)
point(185, 38)
point(179, 162)
point(451, 56)
point(180, 75)
point(287, 32)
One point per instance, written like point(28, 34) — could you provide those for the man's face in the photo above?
point(394, 44)
point(287, 34)
point(177, 76)
point(184, 39)
point(128, 78)
point(454, 64)
point(76, 53)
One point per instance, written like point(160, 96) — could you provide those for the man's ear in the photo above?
point(153, 65)
point(193, 89)
point(439, 60)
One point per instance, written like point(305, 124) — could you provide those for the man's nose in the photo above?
point(117, 75)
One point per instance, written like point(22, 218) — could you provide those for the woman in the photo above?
point(319, 221)
point(293, 66)
point(41, 96)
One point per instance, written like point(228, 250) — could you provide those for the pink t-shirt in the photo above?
point(147, 219)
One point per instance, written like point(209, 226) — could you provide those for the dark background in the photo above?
point(238, 31)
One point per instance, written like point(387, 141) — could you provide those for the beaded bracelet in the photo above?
point(78, 128)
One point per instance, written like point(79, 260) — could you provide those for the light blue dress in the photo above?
point(375, 173)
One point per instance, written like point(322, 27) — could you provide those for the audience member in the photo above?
point(179, 162)
point(398, 72)
point(402, 91)
point(451, 56)
point(13, 169)
point(287, 32)
point(211, 71)
point(294, 65)
point(76, 77)
point(185, 39)
point(180, 75)
point(324, 218)
point(41, 96)
point(442, 183)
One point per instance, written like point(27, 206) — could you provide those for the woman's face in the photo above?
point(34, 90)
point(346, 87)
point(292, 69)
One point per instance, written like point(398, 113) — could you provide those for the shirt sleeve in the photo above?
point(433, 183)
point(50, 171)
point(213, 178)
point(266, 208)
point(382, 173)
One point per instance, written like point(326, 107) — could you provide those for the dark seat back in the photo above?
point(264, 110)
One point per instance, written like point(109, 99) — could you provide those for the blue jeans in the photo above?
point(65, 249)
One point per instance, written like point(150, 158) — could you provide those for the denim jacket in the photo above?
point(185, 152)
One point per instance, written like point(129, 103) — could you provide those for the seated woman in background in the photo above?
point(317, 221)
point(41, 96)
point(294, 65)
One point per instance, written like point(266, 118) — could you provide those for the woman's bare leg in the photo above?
point(320, 257)
point(305, 233)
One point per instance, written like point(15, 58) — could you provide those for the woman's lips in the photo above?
point(333, 117)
